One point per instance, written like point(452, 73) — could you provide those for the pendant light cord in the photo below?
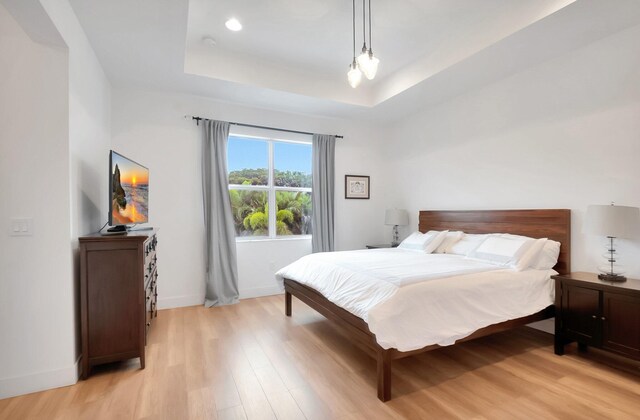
point(364, 25)
point(370, 43)
point(354, 29)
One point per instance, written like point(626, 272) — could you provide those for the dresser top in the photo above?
point(133, 235)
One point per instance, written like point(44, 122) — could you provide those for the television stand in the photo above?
point(118, 228)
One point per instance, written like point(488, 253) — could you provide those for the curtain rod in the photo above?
point(198, 119)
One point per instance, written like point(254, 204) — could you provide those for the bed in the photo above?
point(551, 224)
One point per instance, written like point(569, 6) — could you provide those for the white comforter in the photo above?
point(410, 299)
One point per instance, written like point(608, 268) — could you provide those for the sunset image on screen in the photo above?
point(132, 174)
point(130, 191)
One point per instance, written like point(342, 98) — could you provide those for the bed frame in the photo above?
point(552, 224)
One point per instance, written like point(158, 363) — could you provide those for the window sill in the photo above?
point(296, 238)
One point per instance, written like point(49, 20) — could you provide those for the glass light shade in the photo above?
point(354, 76)
point(368, 63)
point(362, 59)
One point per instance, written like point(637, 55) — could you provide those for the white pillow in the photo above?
point(423, 242)
point(415, 241)
point(512, 236)
point(548, 257)
point(450, 239)
point(467, 243)
point(532, 255)
point(502, 250)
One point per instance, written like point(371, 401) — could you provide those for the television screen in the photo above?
point(129, 191)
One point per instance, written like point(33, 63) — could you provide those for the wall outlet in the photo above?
point(21, 227)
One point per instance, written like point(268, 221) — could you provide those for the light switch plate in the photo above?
point(21, 227)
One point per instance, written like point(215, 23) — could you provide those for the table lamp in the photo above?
point(395, 218)
point(613, 222)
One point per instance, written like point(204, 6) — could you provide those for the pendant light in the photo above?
point(367, 62)
point(354, 75)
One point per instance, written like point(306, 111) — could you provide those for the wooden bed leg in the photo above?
point(384, 375)
point(287, 303)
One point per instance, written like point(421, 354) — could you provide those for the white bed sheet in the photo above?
point(411, 299)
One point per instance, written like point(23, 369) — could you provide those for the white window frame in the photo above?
point(270, 188)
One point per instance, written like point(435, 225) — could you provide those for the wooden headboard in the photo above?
point(552, 224)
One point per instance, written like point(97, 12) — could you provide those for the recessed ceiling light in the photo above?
point(233, 25)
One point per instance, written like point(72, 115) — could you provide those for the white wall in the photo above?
point(89, 138)
point(37, 332)
point(150, 128)
point(89, 124)
point(564, 134)
point(73, 169)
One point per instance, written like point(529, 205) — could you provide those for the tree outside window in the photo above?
point(269, 174)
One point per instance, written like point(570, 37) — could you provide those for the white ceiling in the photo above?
point(293, 54)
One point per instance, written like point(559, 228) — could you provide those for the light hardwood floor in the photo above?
point(250, 361)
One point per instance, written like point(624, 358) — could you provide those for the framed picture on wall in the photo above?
point(356, 186)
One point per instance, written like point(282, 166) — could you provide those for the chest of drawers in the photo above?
point(118, 296)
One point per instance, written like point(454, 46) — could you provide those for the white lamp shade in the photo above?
point(396, 217)
point(613, 221)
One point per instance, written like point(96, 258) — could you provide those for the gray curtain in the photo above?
point(323, 171)
point(222, 269)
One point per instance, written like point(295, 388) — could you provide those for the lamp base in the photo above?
point(395, 241)
point(612, 277)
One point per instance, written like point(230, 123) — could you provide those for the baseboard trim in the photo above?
point(195, 300)
point(260, 291)
point(180, 301)
point(41, 381)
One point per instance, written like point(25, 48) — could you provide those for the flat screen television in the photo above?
point(128, 193)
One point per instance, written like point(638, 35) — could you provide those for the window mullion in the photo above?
point(296, 189)
point(272, 193)
point(249, 187)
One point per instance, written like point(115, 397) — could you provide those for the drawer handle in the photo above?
point(593, 316)
point(603, 318)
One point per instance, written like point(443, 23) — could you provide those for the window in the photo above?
point(269, 174)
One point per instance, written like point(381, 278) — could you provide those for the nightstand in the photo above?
point(376, 246)
point(597, 313)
